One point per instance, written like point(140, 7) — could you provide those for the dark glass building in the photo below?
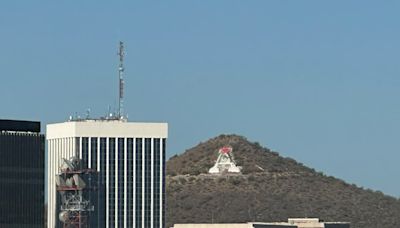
point(21, 174)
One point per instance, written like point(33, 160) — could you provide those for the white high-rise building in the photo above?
point(130, 159)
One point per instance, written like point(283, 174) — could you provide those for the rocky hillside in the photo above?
point(271, 188)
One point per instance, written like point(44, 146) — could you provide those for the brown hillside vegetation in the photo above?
point(271, 188)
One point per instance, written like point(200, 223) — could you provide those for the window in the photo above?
point(102, 181)
point(93, 153)
point(111, 203)
point(121, 167)
point(85, 152)
point(156, 183)
point(130, 182)
point(139, 181)
point(147, 183)
point(164, 143)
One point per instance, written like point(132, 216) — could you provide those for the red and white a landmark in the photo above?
point(225, 162)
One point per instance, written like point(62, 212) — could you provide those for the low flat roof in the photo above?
point(19, 125)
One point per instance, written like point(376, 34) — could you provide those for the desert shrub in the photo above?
point(192, 179)
point(234, 181)
point(182, 180)
point(251, 178)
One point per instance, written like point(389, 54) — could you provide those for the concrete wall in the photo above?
point(97, 128)
point(233, 225)
point(222, 225)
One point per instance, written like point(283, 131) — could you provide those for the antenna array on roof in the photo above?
point(121, 54)
point(116, 114)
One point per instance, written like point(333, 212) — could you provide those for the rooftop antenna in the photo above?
point(109, 111)
point(121, 54)
point(88, 113)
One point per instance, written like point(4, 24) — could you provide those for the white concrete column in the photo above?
point(98, 154)
point(161, 181)
point(89, 151)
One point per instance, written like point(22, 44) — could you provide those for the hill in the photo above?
point(270, 188)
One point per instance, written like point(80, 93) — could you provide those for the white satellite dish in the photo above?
point(69, 182)
point(79, 182)
point(67, 165)
point(63, 216)
point(60, 181)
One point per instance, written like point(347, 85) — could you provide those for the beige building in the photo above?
point(291, 223)
point(235, 225)
point(130, 160)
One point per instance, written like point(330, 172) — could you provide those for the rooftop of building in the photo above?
point(19, 125)
point(106, 128)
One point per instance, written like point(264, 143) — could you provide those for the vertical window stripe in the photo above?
point(93, 153)
point(111, 196)
point(139, 180)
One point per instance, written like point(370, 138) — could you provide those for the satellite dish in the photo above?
point(69, 182)
point(75, 162)
point(60, 181)
point(79, 182)
point(67, 165)
point(64, 216)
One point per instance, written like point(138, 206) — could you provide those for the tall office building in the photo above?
point(130, 159)
point(21, 174)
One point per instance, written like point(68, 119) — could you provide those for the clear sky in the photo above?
point(317, 81)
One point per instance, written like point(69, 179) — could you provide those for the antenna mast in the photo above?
point(121, 54)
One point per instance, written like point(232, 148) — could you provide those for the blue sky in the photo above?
point(317, 81)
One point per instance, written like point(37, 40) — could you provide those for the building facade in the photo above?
point(21, 174)
point(234, 225)
point(130, 160)
point(291, 223)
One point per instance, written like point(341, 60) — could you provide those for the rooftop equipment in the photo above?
point(75, 187)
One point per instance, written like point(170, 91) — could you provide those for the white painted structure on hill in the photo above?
point(225, 162)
